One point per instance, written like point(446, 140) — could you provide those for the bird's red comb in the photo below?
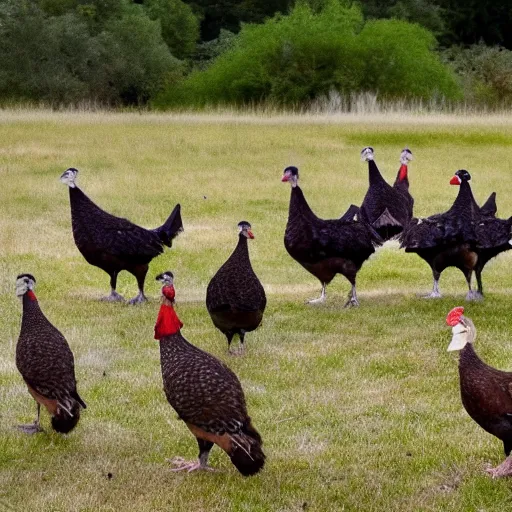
point(454, 315)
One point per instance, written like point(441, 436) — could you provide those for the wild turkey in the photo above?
point(459, 237)
point(388, 209)
point(235, 297)
point(115, 244)
point(326, 247)
point(46, 363)
point(485, 391)
point(205, 393)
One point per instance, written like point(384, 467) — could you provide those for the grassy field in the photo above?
point(359, 409)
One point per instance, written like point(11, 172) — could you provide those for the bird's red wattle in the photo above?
point(403, 173)
point(455, 181)
point(31, 295)
point(454, 315)
point(167, 322)
point(169, 292)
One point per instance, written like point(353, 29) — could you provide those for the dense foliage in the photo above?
point(183, 53)
point(293, 59)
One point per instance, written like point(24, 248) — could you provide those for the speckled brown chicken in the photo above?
point(205, 393)
point(46, 363)
point(486, 392)
point(235, 297)
point(115, 244)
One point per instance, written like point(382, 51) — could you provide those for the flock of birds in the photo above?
point(205, 393)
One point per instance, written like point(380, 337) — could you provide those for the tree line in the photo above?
point(182, 54)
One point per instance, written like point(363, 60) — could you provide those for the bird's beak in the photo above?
point(249, 234)
point(455, 181)
point(459, 339)
point(285, 177)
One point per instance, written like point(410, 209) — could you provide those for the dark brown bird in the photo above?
point(115, 244)
point(235, 297)
point(485, 391)
point(46, 363)
point(205, 393)
point(388, 209)
point(465, 237)
point(326, 247)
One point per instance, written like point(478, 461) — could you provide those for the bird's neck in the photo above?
point(298, 205)
point(374, 175)
point(464, 199)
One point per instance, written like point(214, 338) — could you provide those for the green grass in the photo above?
point(359, 409)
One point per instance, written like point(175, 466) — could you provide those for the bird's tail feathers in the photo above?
point(171, 228)
point(246, 453)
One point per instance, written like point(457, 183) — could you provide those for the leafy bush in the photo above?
point(296, 58)
point(55, 59)
point(485, 73)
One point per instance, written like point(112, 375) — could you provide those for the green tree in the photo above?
point(180, 26)
point(135, 59)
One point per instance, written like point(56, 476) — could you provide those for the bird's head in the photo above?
point(291, 174)
point(244, 228)
point(166, 278)
point(460, 176)
point(405, 158)
point(24, 284)
point(367, 154)
point(69, 176)
point(463, 329)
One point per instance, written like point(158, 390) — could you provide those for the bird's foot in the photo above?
point(474, 295)
point(320, 300)
point(236, 352)
point(138, 300)
point(504, 469)
point(31, 428)
point(183, 465)
point(352, 303)
point(113, 297)
point(433, 295)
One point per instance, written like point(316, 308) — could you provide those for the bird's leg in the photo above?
point(435, 293)
point(477, 294)
point(140, 273)
point(33, 428)
point(201, 463)
point(320, 299)
point(352, 298)
point(241, 350)
point(229, 336)
point(114, 296)
point(504, 469)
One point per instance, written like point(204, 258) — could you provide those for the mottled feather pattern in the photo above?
point(235, 286)
point(44, 358)
point(486, 394)
point(202, 390)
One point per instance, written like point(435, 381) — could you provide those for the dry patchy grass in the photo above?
point(359, 409)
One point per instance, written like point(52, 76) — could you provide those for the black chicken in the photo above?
point(387, 208)
point(235, 297)
point(46, 363)
point(326, 247)
point(205, 393)
point(115, 244)
point(459, 237)
point(486, 392)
